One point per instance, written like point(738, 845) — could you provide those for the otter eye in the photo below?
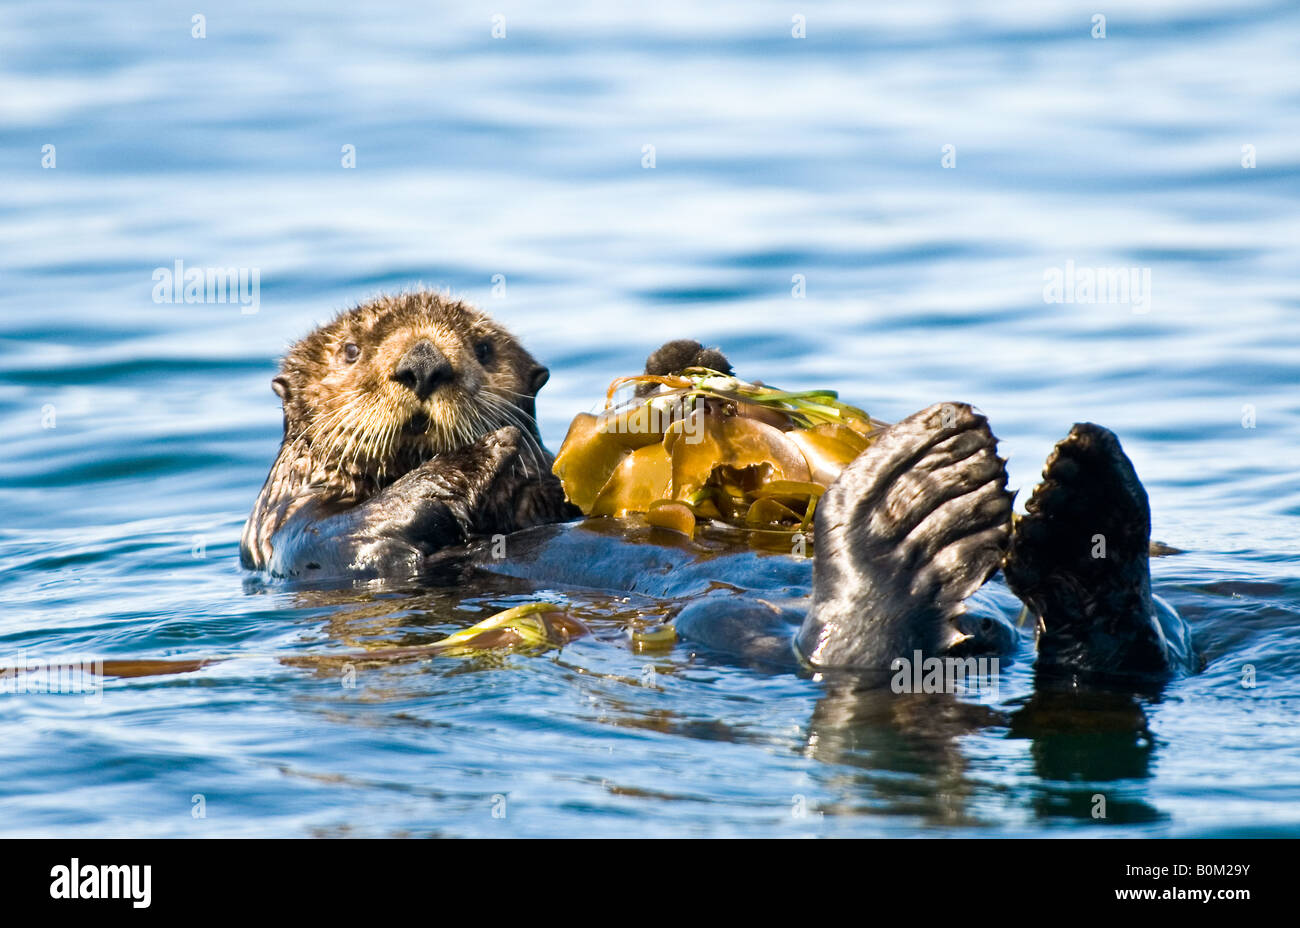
point(351, 352)
point(483, 351)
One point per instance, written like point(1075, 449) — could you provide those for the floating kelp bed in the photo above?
point(707, 446)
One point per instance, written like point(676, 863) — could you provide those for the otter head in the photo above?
point(387, 385)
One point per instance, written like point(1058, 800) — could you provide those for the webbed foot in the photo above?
point(1079, 560)
point(909, 530)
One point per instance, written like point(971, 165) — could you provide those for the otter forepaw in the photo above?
point(437, 504)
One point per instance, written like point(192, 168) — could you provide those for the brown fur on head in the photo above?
point(352, 407)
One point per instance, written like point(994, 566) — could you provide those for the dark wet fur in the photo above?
point(1097, 613)
point(922, 519)
point(909, 530)
point(676, 356)
point(482, 489)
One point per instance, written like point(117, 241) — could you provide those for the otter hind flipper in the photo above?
point(908, 531)
point(1079, 559)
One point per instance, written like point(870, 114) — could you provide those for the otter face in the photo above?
point(385, 386)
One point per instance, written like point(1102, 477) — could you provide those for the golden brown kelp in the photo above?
point(709, 446)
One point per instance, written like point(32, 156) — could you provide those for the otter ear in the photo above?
point(537, 379)
point(281, 387)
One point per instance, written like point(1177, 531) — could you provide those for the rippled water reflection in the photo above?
point(774, 157)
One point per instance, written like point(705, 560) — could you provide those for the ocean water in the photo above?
point(805, 212)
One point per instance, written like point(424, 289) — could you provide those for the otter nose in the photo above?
point(423, 368)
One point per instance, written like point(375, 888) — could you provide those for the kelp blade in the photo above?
point(710, 446)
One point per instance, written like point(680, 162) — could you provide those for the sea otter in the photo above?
point(409, 427)
point(409, 431)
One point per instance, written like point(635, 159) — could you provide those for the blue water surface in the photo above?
point(799, 213)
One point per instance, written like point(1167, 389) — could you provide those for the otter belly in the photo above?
point(732, 599)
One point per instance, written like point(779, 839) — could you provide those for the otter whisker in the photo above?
point(494, 404)
point(512, 415)
point(522, 396)
point(329, 425)
point(531, 441)
point(319, 429)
